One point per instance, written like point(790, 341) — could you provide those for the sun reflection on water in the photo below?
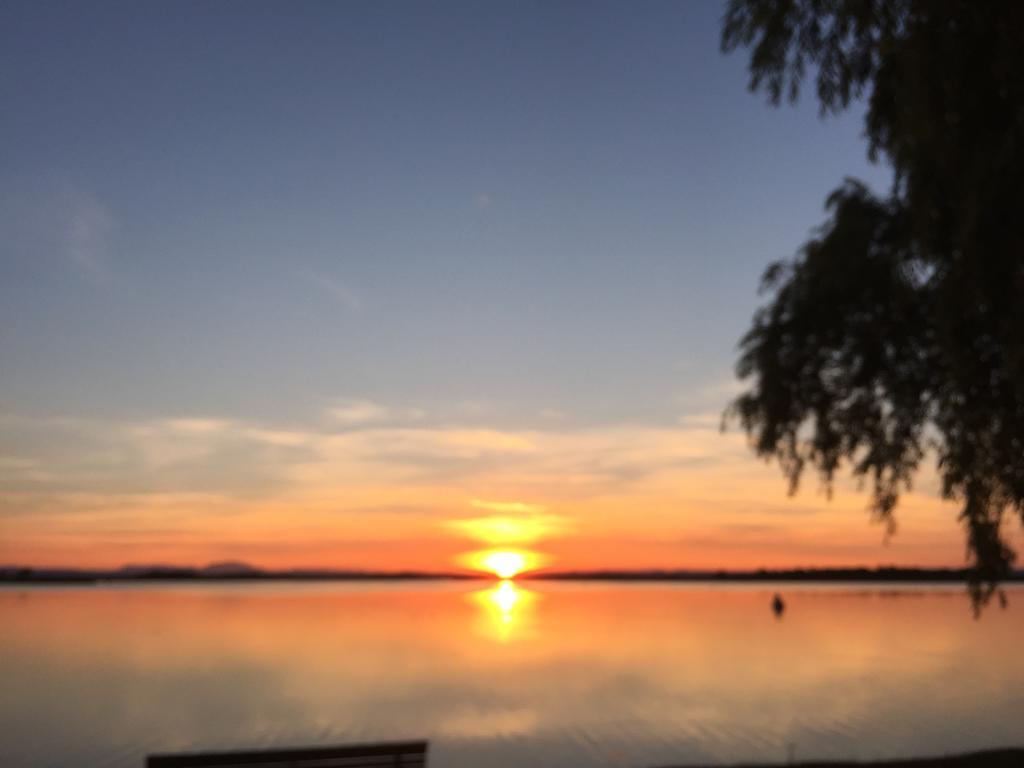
point(505, 610)
point(505, 596)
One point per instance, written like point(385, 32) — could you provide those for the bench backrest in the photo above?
point(405, 754)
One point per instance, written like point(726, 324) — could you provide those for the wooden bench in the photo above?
point(405, 754)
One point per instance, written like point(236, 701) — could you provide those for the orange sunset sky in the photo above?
point(379, 488)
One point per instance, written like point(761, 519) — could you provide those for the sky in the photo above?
point(377, 284)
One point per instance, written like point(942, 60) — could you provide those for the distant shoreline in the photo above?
point(236, 573)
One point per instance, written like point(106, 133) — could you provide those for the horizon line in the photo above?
point(239, 571)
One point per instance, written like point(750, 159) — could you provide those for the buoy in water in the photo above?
point(778, 607)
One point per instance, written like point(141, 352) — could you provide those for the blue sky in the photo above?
point(500, 216)
point(543, 206)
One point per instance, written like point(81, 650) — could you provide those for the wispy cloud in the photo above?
point(51, 221)
point(337, 290)
point(507, 506)
point(356, 412)
point(708, 398)
point(88, 232)
point(502, 530)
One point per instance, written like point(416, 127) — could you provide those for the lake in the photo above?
point(537, 673)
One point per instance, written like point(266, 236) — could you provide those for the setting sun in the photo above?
point(505, 564)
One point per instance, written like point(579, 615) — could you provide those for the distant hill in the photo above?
point(230, 568)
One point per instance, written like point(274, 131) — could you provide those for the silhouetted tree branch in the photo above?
point(900, 326)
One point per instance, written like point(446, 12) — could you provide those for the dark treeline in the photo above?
point(172, 573)
point(213, 573)
point(886, 574)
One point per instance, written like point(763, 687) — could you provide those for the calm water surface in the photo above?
point(537, 674)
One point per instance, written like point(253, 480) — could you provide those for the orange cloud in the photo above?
point(506, 506)
point(509, 530)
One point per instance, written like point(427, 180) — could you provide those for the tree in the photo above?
point(896, 334)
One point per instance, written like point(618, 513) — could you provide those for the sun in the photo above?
point(505, 565)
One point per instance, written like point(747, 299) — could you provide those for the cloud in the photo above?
point(182, 455)
point(358, 412)
point(355, 412)
point(380, 445)
point(198, 426)
point(504, 531)
point(507, 506)
point(51, 222)
point(340, 292)
point(710, 397)
point(87, 236)
point(516, 522)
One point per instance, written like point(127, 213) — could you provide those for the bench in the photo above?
point(404, 754)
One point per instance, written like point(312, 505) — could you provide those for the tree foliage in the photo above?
point(897, 331)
